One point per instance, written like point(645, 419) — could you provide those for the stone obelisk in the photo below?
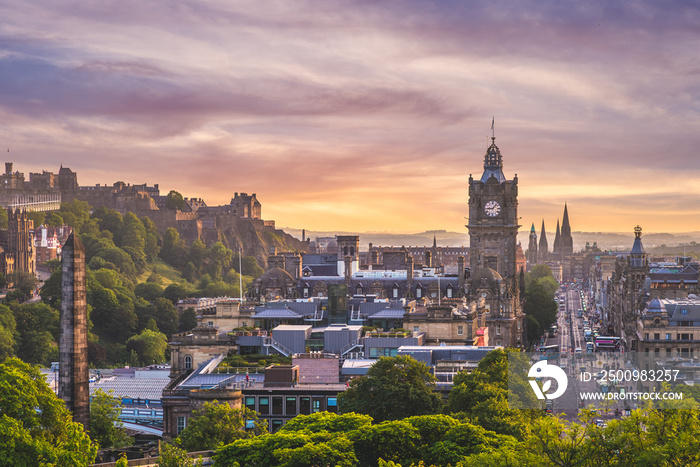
point(73, 383)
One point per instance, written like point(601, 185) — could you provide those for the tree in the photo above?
point(174, 200)
point(53, 219)
point(36, 331)
point(3, 218)
point(151, 241)
point(35, 427)
point(23, 282)
point(7, 330)
point(111, 220)
point(218, 260)
point(394, 388)
point(173, 456)
point(164, 313)
point(188, 320)
point(197, 254)
point(76, 213)
point(533, 329)
point(217, 424)
point(120, 259)
point(149, 291)
point(540, 304)
point(173, 250)
point(133, 233)
point(149, 346)
point(37, 217)
point(176, 292)
point(105, 427)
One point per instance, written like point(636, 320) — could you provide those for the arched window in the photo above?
point(188, 362)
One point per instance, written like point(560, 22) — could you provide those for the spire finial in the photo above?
point(493, 132)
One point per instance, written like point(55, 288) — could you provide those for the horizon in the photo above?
point(366, 118)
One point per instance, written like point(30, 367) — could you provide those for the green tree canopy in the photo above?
point(35, 427)
point(105, 427)
point(23, 282)
point(174, 200)
point(217, 424)
point(149, 346)
point(394, 388)
point(175, 292)
point(173, 250)
point(149, 291)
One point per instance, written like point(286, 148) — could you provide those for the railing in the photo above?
point(318, 316)
point(359, 342)
point(387, 334)
point(270, 342)
point(240, 370)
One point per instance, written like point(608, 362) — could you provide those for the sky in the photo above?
point(366, 115)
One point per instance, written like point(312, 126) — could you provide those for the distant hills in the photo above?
point(606, 240)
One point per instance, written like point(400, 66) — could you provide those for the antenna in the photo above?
point(240, 275)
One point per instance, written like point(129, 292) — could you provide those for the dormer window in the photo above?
point(684, 311)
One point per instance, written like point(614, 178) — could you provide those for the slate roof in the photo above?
point(283, 313)
point(389, 313)
point(134, 388)
point(675, 310)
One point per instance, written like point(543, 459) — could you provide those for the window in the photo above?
point(250, 403)
point(333, 404)
point(498, 329)
point(264, 405)
point(646, 336)
point(306, 292)
point(211, 324)
point(684, 311)
point(656, 352)
point(668, 336)
point(305, 405)
point(188, 362)
point(419, 292)
point(181, 424)
point(291, 406)
point(416, 328)
point(460, 330)
point(277, 405)
point(657, 336)
point(244, 324)
point(318, 405)
point(276, 425)
point(449, 292)
point(395, 292)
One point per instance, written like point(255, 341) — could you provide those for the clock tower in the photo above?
point(493, 230)
point(493, 218)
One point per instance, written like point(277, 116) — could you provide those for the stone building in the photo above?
point(40, 193)
point(17, 251)
point(627, 294)
point(668, 328)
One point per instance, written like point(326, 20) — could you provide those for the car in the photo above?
point(578, 351)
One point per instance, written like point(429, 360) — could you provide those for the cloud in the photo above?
point(371, 112)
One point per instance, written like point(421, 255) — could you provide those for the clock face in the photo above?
point(492, 208)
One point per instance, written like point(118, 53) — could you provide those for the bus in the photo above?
point(549, 352)
point(608, 343)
